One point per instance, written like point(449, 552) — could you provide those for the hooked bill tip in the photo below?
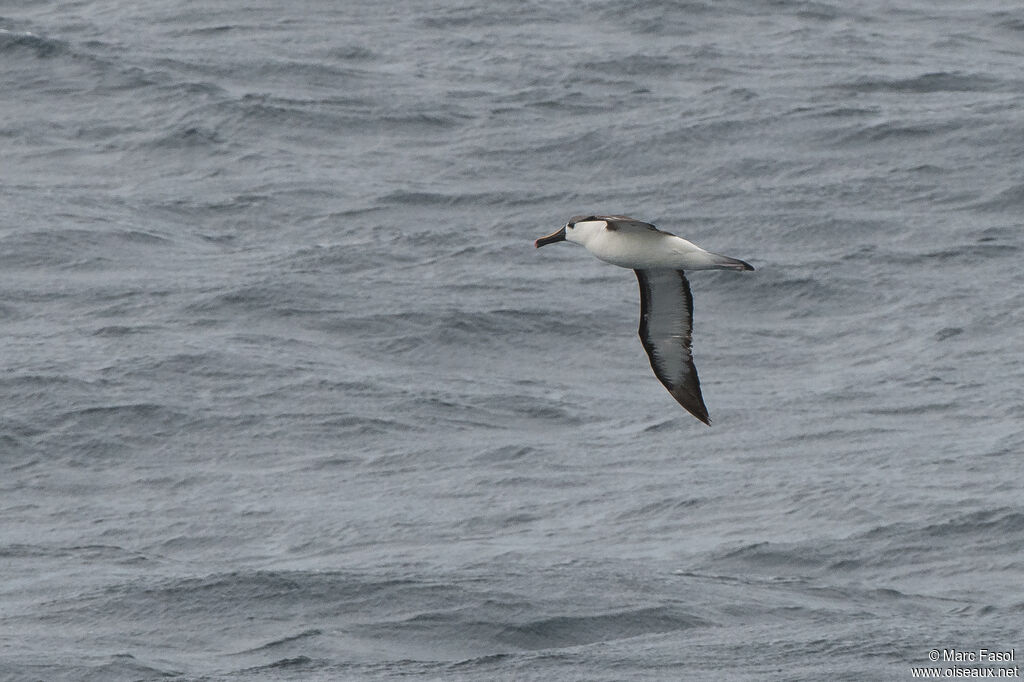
point(557, 236)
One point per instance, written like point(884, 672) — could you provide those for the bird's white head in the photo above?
point(580, 229)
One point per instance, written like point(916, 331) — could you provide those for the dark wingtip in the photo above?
point(692, 403)
point(746, 265)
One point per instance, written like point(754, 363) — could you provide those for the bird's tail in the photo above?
point(720, 262)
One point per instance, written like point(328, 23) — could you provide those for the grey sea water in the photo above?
point(288, 394)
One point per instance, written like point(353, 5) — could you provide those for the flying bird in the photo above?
point(659, 260)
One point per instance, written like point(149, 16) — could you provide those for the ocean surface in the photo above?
point(286, 392)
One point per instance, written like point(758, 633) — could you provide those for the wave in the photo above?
point(442, 332)
point(445, 199)
point(97, 432)
point(1000, 525)
point(123, 667)
point(505, 454)
point(634, 65)
point(1006, 199)
point(666, 507)
point(942, 81)
point(311, 633)
point(41, 47)
point(481, 16)
point(454, 622)
point(90, 66)
point(486, 625)
point(1009, 21)
point(922, 546)
point(562, 631)
point(290, 665)
point(354, 112)
point(271, 296)
point(893, 131)
point(188, 136)
point(78, 248)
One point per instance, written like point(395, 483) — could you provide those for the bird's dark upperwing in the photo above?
point(666, 324)
point(625, 223)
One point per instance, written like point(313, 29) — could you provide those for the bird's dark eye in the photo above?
point(571, 225)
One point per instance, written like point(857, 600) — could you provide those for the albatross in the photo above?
point(659, 260)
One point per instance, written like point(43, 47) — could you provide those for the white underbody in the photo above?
point(644, 250)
